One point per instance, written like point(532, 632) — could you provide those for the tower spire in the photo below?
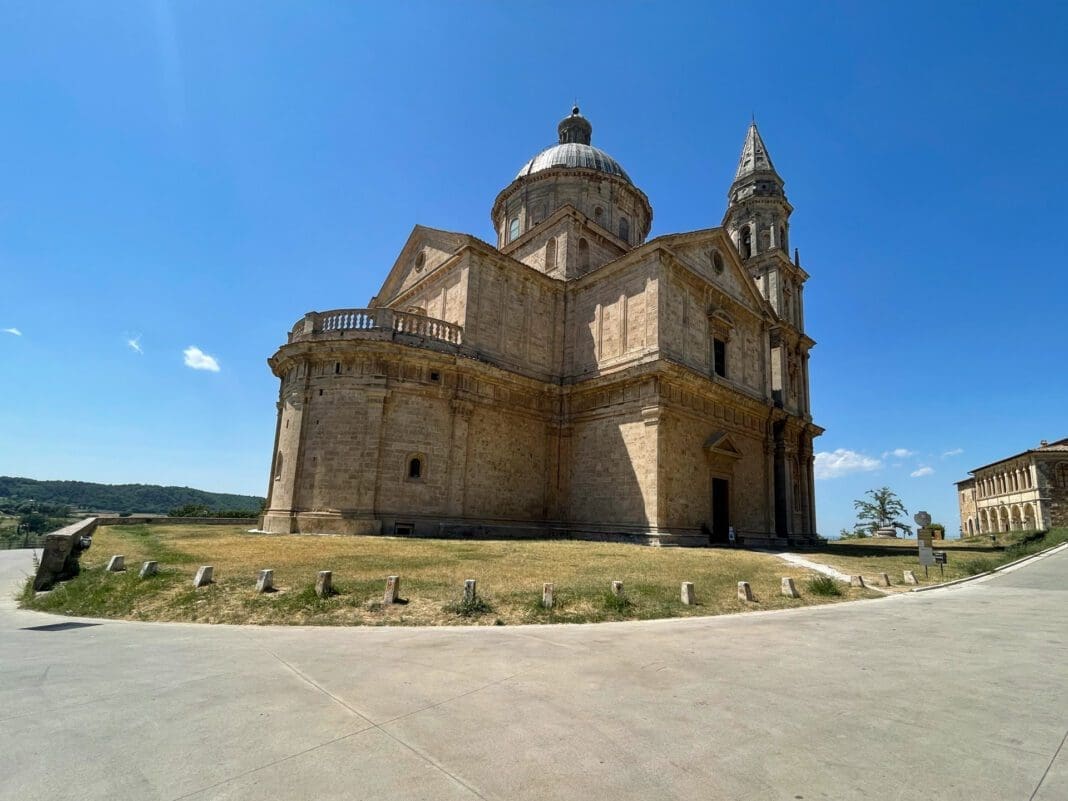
point(755, 156)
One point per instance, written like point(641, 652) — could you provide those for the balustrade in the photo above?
point(340, 320)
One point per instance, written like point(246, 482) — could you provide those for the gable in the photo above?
point(426, 250)
point(699, 253)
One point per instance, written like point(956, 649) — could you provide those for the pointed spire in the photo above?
point(755, 156)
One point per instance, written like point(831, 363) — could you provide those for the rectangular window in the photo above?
point(513, 230)
point(719, 357)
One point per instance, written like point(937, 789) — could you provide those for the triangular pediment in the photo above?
point(426, 250)
point(711, 254)
point(720, 446)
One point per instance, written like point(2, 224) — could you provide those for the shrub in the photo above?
point(619, 604)
point(823, 585)
point(465, 608)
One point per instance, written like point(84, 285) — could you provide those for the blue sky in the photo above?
point(197, 175)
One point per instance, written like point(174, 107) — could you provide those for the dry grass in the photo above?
point(965, 557)
point(510, 576)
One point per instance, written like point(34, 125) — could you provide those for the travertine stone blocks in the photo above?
point(686, 593)
point(789, 589)
point(265, 581)
point(392, 593)
point(547, 598)
point(149, 569)
point(910, 577)
point(117, 564)
point(324, 583)
point(203, 576)
point(745, 592)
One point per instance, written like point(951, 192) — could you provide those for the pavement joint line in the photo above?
point(372, 725)
point(272, 763)
point(449, 700)
point(1045, 773)
point(307, 679)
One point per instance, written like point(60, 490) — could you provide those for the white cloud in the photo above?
point(14, 331)
point(899, 453)
point(842, 462)
point(954, 452)
point(199, 360)
point(134, 343)
point(922, 471)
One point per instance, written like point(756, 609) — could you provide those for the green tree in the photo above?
point(881, 510)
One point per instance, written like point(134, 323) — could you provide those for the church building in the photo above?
point(572, 379)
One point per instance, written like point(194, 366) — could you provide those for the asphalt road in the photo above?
point(959, 693)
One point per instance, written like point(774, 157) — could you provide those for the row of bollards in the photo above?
point(324, 584)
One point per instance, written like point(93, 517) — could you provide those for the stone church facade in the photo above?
point(572, 379)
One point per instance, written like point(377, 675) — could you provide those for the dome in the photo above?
point(576, 155)
point(574, 151)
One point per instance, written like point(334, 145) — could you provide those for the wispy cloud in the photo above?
point(13, 331)
point(199, 360)
point(899, 453)
point(922, 471)
point(954, 452)
point(842, 462)
point(134, 344)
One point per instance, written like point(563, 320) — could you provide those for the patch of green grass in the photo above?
point(977, 565)
point(616, 604)
point(97, 593)
point(469, 608)
point(823, 585)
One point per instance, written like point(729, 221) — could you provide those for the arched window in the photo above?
point(415, 468)
point(598, 213)
point(624, 229)
point(717, 262)
point(550, 255)
point(745, 242)
point(782, 237)
point(513, 229)
point(278, 467)
point(584, 254)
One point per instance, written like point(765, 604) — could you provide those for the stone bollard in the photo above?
point(203, 576)
point(857, 581)
point(392, 593)
point(547, 595)
point(617, 589)
point(265, 581)
point(686, 593)
point(910, 577)
point(745, 592)
point(116, 564)
point(149, 569)
point(885, 579)
point(470, 591)
point(789, 589)
point(324, 584)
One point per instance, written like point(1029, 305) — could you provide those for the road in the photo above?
point(958, 693)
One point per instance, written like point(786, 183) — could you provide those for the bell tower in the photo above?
point(758, 221)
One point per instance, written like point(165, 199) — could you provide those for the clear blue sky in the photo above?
point(200, 174)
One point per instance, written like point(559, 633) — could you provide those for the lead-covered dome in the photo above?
point(574, 151)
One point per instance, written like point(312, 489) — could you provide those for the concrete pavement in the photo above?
point(959, 693)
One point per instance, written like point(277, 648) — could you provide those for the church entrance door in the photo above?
point(721, 511)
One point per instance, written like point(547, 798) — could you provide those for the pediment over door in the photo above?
point(721, 451)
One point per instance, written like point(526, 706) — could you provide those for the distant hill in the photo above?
point(149, 498)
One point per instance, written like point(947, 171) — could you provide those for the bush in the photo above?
point(473, 608)
point(977, 564)
point(823, 585)
point(619, 604)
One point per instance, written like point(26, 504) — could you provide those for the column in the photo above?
point(461, 424)
point(375, 403)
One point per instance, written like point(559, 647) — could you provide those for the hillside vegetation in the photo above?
point(147, 498)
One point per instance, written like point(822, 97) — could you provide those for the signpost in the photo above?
point(924, 539)
point(941, 558)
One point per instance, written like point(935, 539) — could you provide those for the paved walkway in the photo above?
point(958, 693)
point(808, 564)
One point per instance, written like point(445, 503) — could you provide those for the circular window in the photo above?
point(597, 212)
point(717, 262)
point(420, 260)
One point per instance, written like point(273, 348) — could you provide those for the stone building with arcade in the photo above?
point(1024, 492)
point(573, 378)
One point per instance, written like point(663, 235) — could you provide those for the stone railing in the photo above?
point(376, 320)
